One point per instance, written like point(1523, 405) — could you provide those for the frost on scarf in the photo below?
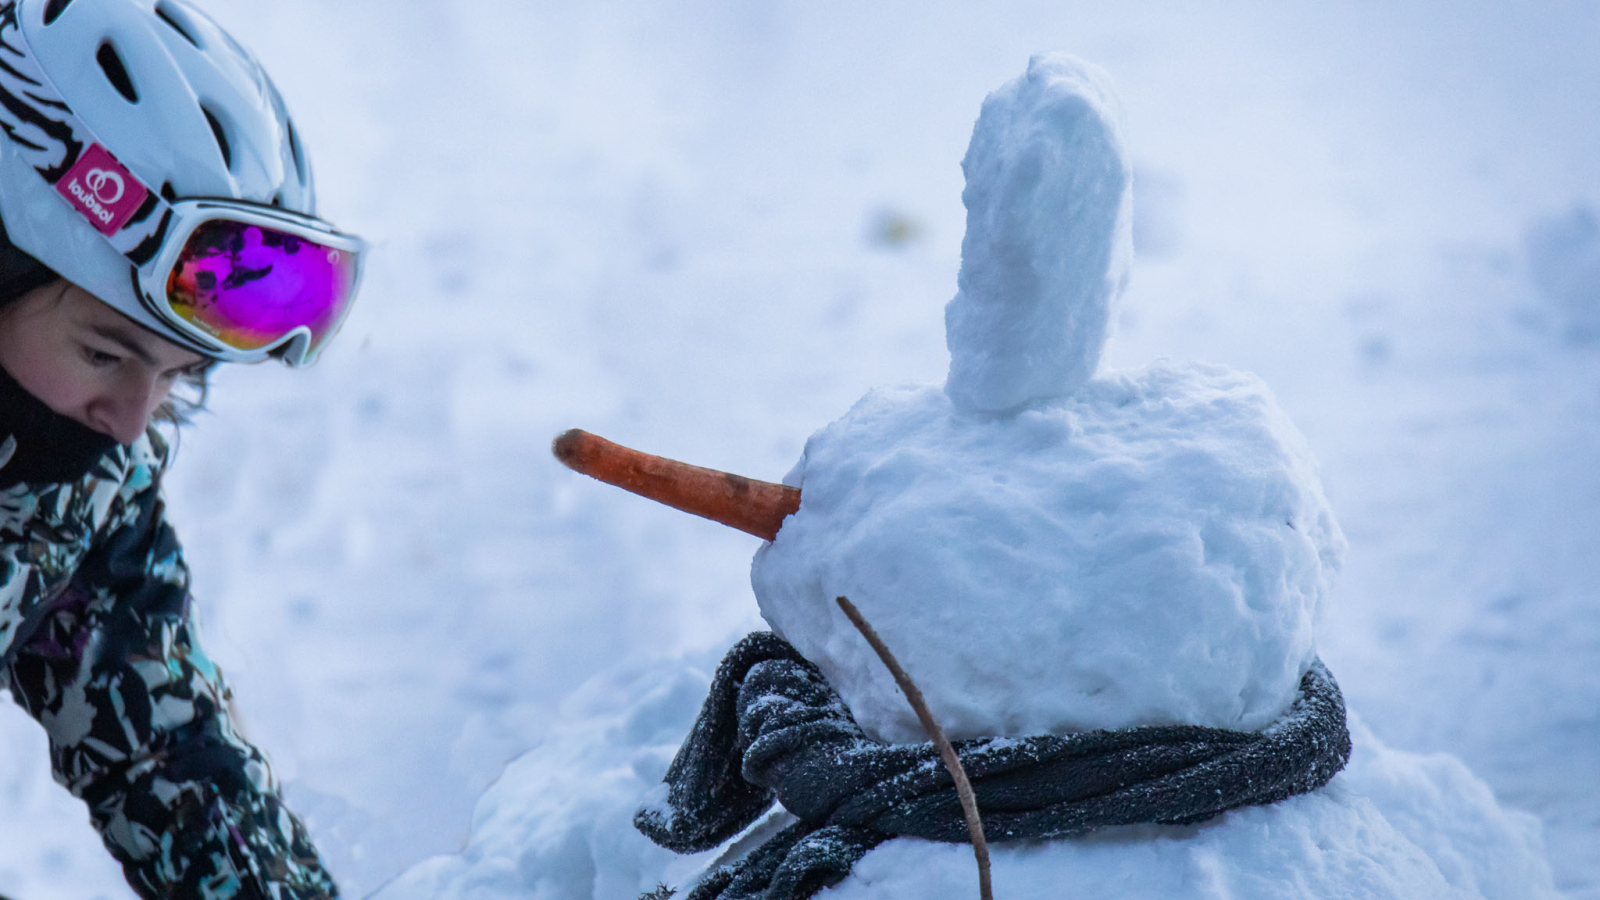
point(773, 729)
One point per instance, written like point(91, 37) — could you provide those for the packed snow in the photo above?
point(1171, 513)
point(705, 229)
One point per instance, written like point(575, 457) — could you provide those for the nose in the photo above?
point(124, 409)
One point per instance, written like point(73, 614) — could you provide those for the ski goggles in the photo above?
point(240, 281)
point(248, 282)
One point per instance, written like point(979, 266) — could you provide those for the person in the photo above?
point(157, 217)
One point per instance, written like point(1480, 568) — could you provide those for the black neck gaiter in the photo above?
point(49, 447)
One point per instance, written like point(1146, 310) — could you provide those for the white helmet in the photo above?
point(175, 100)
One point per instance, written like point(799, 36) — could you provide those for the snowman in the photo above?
point(1106, 584)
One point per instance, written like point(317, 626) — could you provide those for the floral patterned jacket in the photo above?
point(100, 647)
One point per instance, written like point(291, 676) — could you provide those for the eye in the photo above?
point(100, 358)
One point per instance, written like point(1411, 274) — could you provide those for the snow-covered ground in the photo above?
point(706, 228)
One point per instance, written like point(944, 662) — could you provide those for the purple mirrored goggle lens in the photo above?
point(249, 286)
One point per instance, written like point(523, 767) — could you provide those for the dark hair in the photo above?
point(21, 273)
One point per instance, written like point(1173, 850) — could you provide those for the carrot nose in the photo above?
point(754, 507)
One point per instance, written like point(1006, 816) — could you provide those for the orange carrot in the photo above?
point(754, 507)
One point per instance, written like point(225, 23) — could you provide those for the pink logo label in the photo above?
point(99, 187)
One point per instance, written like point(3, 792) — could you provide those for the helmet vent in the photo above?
point(222, 137)
point(116, 73)
point(54, 9)
point(294, 150)
point(176, 23)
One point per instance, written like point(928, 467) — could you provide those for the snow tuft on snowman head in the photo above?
point(1049, 237)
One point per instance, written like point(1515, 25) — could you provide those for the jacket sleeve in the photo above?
point(140, 730)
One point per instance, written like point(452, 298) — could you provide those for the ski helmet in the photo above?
point(169, 94)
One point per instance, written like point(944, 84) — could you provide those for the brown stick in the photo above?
point(969, 802)
point(754, 507)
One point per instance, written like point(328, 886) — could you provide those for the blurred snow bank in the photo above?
point(558, 825)
point(1563, 253)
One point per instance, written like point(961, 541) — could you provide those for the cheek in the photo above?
point(54, 377)
point(160, 394)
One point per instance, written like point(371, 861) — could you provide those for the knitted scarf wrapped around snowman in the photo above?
point(773, 729)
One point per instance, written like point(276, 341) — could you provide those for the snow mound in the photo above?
point(1049, 237)
point(1153, 549)
point(558, 825)
point(1391, 826)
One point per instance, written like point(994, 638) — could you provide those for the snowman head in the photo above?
point(1049, 549)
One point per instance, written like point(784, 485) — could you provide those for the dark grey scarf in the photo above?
point(773, 729)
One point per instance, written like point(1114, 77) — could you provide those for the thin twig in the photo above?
point(969, 802)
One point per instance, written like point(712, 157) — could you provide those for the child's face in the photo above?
point(87, 361)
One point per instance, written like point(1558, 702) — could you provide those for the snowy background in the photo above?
point(705, 229)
